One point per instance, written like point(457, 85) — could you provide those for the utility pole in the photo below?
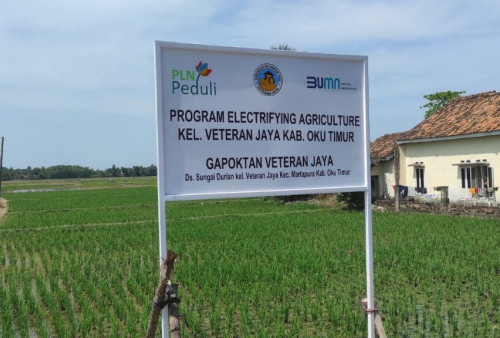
point(397, 195)
point(1, 165)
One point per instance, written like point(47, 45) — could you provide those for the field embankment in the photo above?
point(3, 207)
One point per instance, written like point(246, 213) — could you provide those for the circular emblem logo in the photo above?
point(267, 79)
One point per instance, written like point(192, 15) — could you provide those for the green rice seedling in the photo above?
point(295, 327)
point(214, 317)
point(192, 321)
point(279, 329)
point(23, 320)
point(6, 313)
point(229, 316)
point(285, 308)
point(14, 302)
point(86, 323)
point(305, 313)
point(99, 248)
point(316, 310)
point(131, 327)
point(244, 318)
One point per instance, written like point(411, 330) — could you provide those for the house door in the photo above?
point(375, 187)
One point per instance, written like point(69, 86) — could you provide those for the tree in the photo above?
point(438, 100)
point(152, 170)
point(113, 171)
point(283, 46)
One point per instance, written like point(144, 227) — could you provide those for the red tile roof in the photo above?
point(473, 114)
point(383, 147)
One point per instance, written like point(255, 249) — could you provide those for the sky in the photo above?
point(77, 77)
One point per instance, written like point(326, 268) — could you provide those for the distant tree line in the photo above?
point(75, 171)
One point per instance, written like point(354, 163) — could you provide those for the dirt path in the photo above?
point(3, 208)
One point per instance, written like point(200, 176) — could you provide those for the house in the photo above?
point(382, 153)
point(457, 147)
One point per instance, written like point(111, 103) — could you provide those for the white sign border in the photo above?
point(159, 46)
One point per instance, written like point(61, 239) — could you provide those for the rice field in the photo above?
point(81, 259)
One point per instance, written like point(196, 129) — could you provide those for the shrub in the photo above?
point(352, 200)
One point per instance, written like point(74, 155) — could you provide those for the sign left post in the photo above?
point(162, 216)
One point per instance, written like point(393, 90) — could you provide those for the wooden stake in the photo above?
point(158, 302)
point(173, 312)
point(379, 325)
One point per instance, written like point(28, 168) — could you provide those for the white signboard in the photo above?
point(235, 122)
point(242, 122)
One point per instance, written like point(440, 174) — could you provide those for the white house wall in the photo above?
point(385, 172)
point(439, 157)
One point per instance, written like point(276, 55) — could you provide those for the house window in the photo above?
point(488, 175)
point(476, 176)
point(419, 173)
point(466, 182)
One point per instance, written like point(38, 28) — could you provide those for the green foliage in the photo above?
point(292, 198)
point(352, 200)
point(85, 263)
point(74, 171)
point(438, 100)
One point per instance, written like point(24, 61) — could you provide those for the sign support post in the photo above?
point(162, 215)
point(370, 292)
point(162, 234)
point(370, 287)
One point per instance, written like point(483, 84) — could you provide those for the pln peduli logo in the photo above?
point(187, 82)
point(267, 79)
